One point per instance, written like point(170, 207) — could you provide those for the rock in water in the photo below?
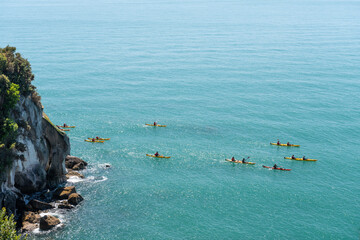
point(64, 192)
point(65, 205)
point(75, 199)
point(72, 173)
point(75, 163)
point(29, 227)
point(31, 217)
point(47, 222)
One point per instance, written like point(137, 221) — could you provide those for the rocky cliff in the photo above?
point(40, 155)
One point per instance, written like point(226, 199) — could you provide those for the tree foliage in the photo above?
point(8, 227)
point(17, 69)
point(15, 80)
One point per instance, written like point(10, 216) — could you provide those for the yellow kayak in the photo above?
point(65, 127)
point(155, 125)
point(285, 145)
point(300, 159)
point(237, 161)
point(96, 141)
point(151, 155)
point(100, 139)
point(64, 130)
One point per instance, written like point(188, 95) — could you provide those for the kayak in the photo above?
point(155, 125)
point(237, 161)
point(151, 155)
point(96, 141)
point(283, 169)
point(300, 159)
point(285, 145)
point(65, 127)
point(100, 139)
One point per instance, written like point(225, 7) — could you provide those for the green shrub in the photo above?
point(17, 69)
point(8, 227)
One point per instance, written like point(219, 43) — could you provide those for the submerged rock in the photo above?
point(64, 192)
point(75, 199)
point(47, 222)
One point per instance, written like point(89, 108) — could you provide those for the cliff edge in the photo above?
point(32, 149)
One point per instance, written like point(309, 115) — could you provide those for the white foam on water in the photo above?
point(53, 212)
point(103, 178)
point(75, 179)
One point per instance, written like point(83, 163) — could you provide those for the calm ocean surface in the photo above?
point(227, 77)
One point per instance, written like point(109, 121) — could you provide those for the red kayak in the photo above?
point(283, 169)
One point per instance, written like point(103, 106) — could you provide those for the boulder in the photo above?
point(65, 205)
point(39, 205)
point(29, 227)
point(75, 199)
point(47, 222)
point(75, 163)
point(64, 192)
point(31, 217)
point(72, 173)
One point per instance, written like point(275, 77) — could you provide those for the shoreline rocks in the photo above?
point(66, 198)
point(47, 222)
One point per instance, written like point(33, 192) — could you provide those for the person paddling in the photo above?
point(243, 160)
point(156, 154)
point(65, 125)
point(278, 142)
point(155, 123)
point(97, 138)
point(275, 166)
point(292, 157)
point(233, 159)
point(304, 158)
point(288, 144)
point(93, 140)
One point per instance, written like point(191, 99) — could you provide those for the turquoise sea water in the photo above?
point(227, 77)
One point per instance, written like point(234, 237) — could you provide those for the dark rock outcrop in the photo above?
point(39, 205)
point(75, 163)
point(75, 199)
point(64, 192)
point(47, 222)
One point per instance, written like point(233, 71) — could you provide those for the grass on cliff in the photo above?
point(49, 121)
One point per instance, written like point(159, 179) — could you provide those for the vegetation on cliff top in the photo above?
point(15, 80)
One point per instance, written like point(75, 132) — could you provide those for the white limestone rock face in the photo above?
point(41, 161)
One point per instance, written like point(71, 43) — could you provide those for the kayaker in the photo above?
point(93, 140)
point(155, 123)
point(304, 158)
point(65, 125)
point(97, 138)
point(233, 159)
point(288, 143)
point(243, 160)
point(156, 154)
point(275, 166)
point(293, 157)
point(278, 142)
